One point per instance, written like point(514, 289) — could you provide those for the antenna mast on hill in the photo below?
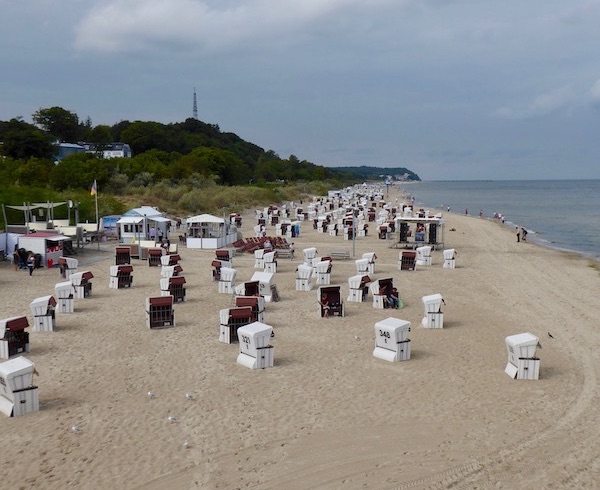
point(195, 106)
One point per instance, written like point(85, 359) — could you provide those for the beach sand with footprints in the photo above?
point(328, 414)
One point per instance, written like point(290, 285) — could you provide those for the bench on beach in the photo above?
point(284, 253)
point(340, 254)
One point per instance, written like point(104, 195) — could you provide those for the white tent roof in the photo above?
point(139, 219)
point(148, 211)
point(204, 218)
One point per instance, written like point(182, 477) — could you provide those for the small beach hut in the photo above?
point(122, 255)
point(43, 310)
point(159, 312)
point(18, 395)
point(266, 286)
point(323, 271)
point(270, 262)
point(206, 231)
point(449, 258)
point(227, 280)
point(257, 303)
point(380, 289)
point(82, 284)
point(255, 351)
point(248, 288)
point(67, 266)
point(407, 261)
point(424, 255)
point(303, 277)
point(64, 297)
point(391, 340)
point(358, 288)
point(120, 276)
point(332, 297)
point(15, 339)
point(522, 362)
point(174, 286)
point(231, 320)
point(434, 318)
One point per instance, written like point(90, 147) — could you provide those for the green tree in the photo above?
point(23, 141)
point(60, 123)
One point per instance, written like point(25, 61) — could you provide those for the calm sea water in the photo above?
point(561, 214)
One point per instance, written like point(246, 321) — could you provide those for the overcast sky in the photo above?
point(451, 89)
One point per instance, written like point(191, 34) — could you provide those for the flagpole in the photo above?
point(97, 220)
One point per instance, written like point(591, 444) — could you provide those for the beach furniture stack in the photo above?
point(323, 270)
point(67, 266)
point(407, 260)
point(64, 297)
point(43, 311)
point(379, 291)
point(173, 286)
point(334, 298)
point(266, 286)
point(154, 256)
point(231, 320)
point(303, 277)
point(259, 260)
point(120, 276)
point(358, 288)
point(370, 256)
point(15, 339)
point(255, 351)
point(391, 340)
point(522, 362)
point(434, 318)
point(18, 395)
point(159, 312)
point(82, 284)
point(270, 262)
point(424, 255)
point(122, 255)
point(227, 280)
point(257, 303)
point(449, 258)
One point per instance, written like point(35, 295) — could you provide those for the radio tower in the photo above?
point(195, 106)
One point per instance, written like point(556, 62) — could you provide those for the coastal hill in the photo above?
point(377, 173)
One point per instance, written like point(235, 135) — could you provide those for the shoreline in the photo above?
point(328, 414)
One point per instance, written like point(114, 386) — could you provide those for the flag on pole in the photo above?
point(93, 189)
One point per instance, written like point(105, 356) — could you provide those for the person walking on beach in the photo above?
point(518, 234)
point(524, 234)
point(30, 263)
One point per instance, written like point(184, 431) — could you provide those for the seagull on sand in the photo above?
point(550, 335)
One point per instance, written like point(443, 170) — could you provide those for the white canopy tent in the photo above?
point(210, 232)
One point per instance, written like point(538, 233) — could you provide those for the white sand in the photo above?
point(328, 414)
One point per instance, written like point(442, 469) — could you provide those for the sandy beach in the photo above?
point(328, 415)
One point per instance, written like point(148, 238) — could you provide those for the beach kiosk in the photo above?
point(82, 284)
point(266, 286)
point(120, 276)
point(206, 231)
point(257, 303)
point(159, 312)
point(434, 318)
point(18, 395)
point(522, 362)
point(391, 342)
point(174, 286)
point(15, 339)
point(255, 351)
point(64, 297)
point(358, 288)
point(231, 320)
point(227, 280)
point(67, 266)
point(449, 258)
point(43, 311)
point(303, 277)
point(48, 244)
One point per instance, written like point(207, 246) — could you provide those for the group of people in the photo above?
point(24, 263)
point(521, 234)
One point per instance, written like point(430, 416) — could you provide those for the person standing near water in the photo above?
point(518, 234)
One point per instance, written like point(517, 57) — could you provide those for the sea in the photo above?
point(559, 214)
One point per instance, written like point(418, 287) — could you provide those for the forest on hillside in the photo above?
point(173, 164)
